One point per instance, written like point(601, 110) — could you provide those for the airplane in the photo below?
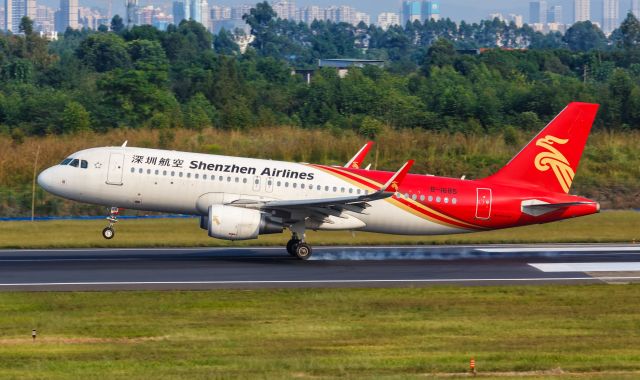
point(242, 198)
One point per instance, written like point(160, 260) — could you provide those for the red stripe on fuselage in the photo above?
point(421, 209)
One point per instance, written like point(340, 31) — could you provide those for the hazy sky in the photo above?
point(469, 10)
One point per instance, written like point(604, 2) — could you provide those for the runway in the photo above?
point(249, 268)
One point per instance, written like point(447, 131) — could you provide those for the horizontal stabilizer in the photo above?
point(538, 208)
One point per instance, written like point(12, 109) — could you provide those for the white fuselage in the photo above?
point(188, 183)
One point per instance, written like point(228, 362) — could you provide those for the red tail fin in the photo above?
point(551, 159)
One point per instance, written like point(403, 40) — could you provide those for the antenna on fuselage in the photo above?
point(125, 143)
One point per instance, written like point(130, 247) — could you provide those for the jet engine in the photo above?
point(235, 223)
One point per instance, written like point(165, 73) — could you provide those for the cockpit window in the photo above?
point(75, 163)
point(66, 161)
point(84, 164)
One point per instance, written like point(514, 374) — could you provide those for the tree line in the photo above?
point(434, 78)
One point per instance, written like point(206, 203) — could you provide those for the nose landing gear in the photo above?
point(109, 232)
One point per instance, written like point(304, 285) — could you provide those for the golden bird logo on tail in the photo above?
point(555, 160)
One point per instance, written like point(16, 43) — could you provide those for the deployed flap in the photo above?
point(356, 161)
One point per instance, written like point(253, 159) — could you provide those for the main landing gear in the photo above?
point(297, 247)
point(109, 232)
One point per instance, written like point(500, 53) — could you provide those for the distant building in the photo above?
point(286, 9)
point(15, 10)
point(635, 8)
point(581, 10)
point(220, 13)
point(538, 12)
point(67, 16)
point(239, 11)
point(610, 14)
point(499, 16)
point(554, 14)
point(359, 17)
point(45, 19)
point(420, 11)
point(344, 64)
point(518, 20)
point(196, 10)
point(310, 14)
point(387, 19)
point(179, 12)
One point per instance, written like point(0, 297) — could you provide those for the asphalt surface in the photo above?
point(248, 268)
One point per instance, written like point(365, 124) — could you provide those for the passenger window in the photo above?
point(335, 189)
point(350, 190)
point(180, 174)
point(188, 175)
point(221, 178)
point(319, 188)
point(133, 170)
point(244, 180)
point(197, 175)
point(148, 171)
point(286, 184)
point(302, 186)
point(140, 170)
point(228, 179)
point(157, 171)
point(75, 163)
point(294, 185)
point(237, 179)
point(204, 176)
point(84, 164)
point(342, 190)
point(173, 174)
point(326, 188)
point(358, 191)
point(164, 172)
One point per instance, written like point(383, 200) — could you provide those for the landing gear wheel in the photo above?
point(291, 246)
point(108, 233)
point(303, 251)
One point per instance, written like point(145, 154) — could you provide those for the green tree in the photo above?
point(261, 19)
point(584, 36)
point(75, 118)
point(630, 32)
point(104, 52)
point(26, 26)
point(198, 113)
point(117, 24)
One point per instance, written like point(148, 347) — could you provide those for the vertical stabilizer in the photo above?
point(551, 159)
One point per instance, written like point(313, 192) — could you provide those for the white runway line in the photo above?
point(438, 280)
point(610, 249)
point(587, 267)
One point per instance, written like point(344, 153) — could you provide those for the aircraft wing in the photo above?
point(356, 161)
point(330, 206)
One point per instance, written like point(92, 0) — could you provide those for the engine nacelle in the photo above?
point(235, 223)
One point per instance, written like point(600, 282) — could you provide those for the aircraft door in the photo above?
point(116, 164)
point(483, 204)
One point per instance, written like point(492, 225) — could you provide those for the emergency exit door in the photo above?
point(116, 164)
point(483, 203)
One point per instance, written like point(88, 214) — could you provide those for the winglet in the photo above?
point(393, 184)
point(356, 161)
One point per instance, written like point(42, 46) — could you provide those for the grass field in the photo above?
point(539, 331)
point(611, 226)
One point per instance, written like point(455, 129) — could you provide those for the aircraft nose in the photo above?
point(46, 180)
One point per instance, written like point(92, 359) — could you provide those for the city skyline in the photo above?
point(560, 11)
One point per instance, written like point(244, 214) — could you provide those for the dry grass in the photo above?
point(609, 172)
